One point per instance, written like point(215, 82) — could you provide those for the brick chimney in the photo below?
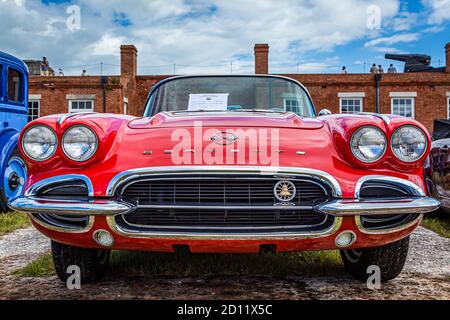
point(447, 57)
point(128, 61)
point(128, 73)
point(262, 58)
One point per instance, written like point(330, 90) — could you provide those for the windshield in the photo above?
point(231, 94)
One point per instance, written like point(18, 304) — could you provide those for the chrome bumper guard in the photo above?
point(344, 208)
point(338, 208)
point(98, 207)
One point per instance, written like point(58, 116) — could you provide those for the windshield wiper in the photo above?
point(195, 111)
point(234, 110)
point(258, 111)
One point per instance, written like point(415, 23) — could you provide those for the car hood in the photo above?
point(226, 119)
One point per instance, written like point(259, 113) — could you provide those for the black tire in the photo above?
point(390, 259)
point(3, 199)
point(93, 263)
point(3, 202)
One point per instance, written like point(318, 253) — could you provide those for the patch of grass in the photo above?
point(42, 267)
point(150, 264)
point(171, 265)
point(440, 226)
point(12, 221)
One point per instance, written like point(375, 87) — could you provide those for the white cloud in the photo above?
point(108, 45)
point(388, 50)
point(395, 39)
point(439, 10)
point(199, 36)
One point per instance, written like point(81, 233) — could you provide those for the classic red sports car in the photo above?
point(226, 164)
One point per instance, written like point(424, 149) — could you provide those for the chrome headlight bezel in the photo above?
point(424, 150)
point(380, 156)
point(55, 143)
point(90, 155)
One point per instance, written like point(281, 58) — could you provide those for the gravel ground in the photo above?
point(426, 276)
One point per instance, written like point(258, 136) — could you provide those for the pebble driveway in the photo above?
point(426, 276)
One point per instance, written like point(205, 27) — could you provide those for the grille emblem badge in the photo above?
point(285, 191)
point(224, 138)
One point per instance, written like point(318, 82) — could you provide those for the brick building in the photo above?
point(423, 96)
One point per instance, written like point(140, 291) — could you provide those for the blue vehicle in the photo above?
point(13, 117)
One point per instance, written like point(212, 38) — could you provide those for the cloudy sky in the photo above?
point(207, 36)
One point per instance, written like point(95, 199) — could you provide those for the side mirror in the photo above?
point(324, 112)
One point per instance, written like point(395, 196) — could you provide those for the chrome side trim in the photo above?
point(75, 208)
point(361, 228)
point(234, 236)
point(62, 229)
point(412, 188)
point(377, 207)
point(140, 173)
point(34, 189)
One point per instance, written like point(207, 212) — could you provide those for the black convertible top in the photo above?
point(441, 129)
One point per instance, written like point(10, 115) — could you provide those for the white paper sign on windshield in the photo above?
point(208, 102)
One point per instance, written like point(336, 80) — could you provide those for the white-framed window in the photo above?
point(292, 105)
point(351, 105)
point(81, 103)
point(81, 106)
point(351, 102)
point(34, 110)
point(403, 104)
point(34, 107)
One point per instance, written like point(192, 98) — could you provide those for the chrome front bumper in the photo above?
point(338, 208)
point(415, 203)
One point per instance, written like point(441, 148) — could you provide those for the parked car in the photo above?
point(438, 167)
point(13, 117)
point(226, 164)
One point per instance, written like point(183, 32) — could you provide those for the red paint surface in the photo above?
point(123, 141)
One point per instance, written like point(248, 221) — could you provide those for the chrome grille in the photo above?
point(222, 203)
point(219, 192)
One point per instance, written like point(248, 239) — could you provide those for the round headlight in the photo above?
point(79, 143)
point(409, 143)
point(368, 144)
point(39, 143)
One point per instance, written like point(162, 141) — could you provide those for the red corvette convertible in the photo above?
point(226, 164)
